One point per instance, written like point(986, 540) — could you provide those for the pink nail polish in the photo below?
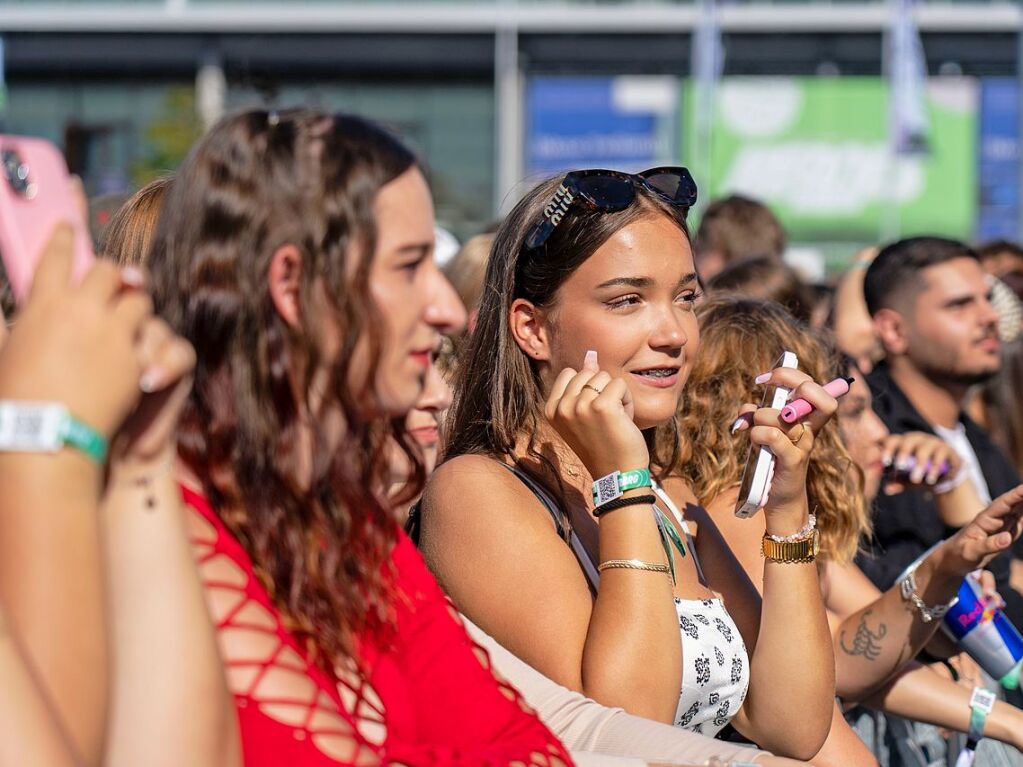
point(590, 359)
point(762, 378)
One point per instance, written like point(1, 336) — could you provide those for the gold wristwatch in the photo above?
point(789, 552)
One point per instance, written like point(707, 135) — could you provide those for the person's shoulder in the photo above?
point(468, 473)
point(892, 405)
point(474, 511)
point(468, 483)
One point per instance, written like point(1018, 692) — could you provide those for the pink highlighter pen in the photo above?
point(799, 408)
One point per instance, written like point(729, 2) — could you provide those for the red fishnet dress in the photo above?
point(430, 698)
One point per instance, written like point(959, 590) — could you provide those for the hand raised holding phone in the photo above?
point(789, 444)
point(593, 413)
point(76, 344)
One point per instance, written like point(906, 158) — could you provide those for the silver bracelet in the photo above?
point(928, 613)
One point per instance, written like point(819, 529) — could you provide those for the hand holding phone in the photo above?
point(759, 468)
point(36, 194)
point(92, 328)
point(788, 446)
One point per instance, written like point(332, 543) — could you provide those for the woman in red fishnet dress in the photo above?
point(295, 253)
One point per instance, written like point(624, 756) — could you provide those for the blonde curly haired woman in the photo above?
point(876, 635)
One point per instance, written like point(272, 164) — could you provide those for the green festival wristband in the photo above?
point(80, 435)
point(46, 427)
point(613, 485)
point(981, 703)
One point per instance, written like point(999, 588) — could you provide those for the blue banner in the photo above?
point(596, 122)
point(998, 210)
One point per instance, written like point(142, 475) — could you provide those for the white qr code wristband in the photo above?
point(613, 485)
point(46, 427)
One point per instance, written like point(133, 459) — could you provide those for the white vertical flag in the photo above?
point(907, 75)
point(707, 63)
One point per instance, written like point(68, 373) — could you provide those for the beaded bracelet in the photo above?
point(800, 534)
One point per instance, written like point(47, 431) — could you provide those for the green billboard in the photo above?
point(816, 150)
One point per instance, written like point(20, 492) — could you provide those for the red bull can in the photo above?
point(984, 631)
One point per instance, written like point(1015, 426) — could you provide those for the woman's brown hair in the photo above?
point(498, 396)
point(129, 234)
point(740, 338)
point(257, 181)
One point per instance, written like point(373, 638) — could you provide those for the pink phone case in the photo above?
point(34, 198)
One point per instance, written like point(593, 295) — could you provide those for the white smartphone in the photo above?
point(759, 469)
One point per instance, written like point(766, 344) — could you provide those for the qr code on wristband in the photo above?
point(27, 422)
point(607, 488)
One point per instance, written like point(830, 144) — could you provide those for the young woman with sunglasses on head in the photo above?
point(876, 635)
point(295, 252)
point(585, 337)
point(583, 725)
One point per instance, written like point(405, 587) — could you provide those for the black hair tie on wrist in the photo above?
point(618, 503)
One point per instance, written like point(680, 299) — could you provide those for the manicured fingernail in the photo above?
point(762, 378)
point(590, 360)
point(740, 424)
point(150, 380)
point(904, 464)
point(886, 459)
point(133, 277)
point(917, 476)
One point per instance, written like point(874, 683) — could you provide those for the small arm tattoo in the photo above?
point(866, 642)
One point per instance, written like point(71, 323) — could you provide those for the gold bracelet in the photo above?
point(790, 552)
point(633, 564)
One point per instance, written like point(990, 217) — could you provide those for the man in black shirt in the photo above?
point(930, 302)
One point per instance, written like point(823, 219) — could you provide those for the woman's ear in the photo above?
point(285, 282)
point(529, 329)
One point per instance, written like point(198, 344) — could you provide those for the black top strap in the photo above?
point(541, 495)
